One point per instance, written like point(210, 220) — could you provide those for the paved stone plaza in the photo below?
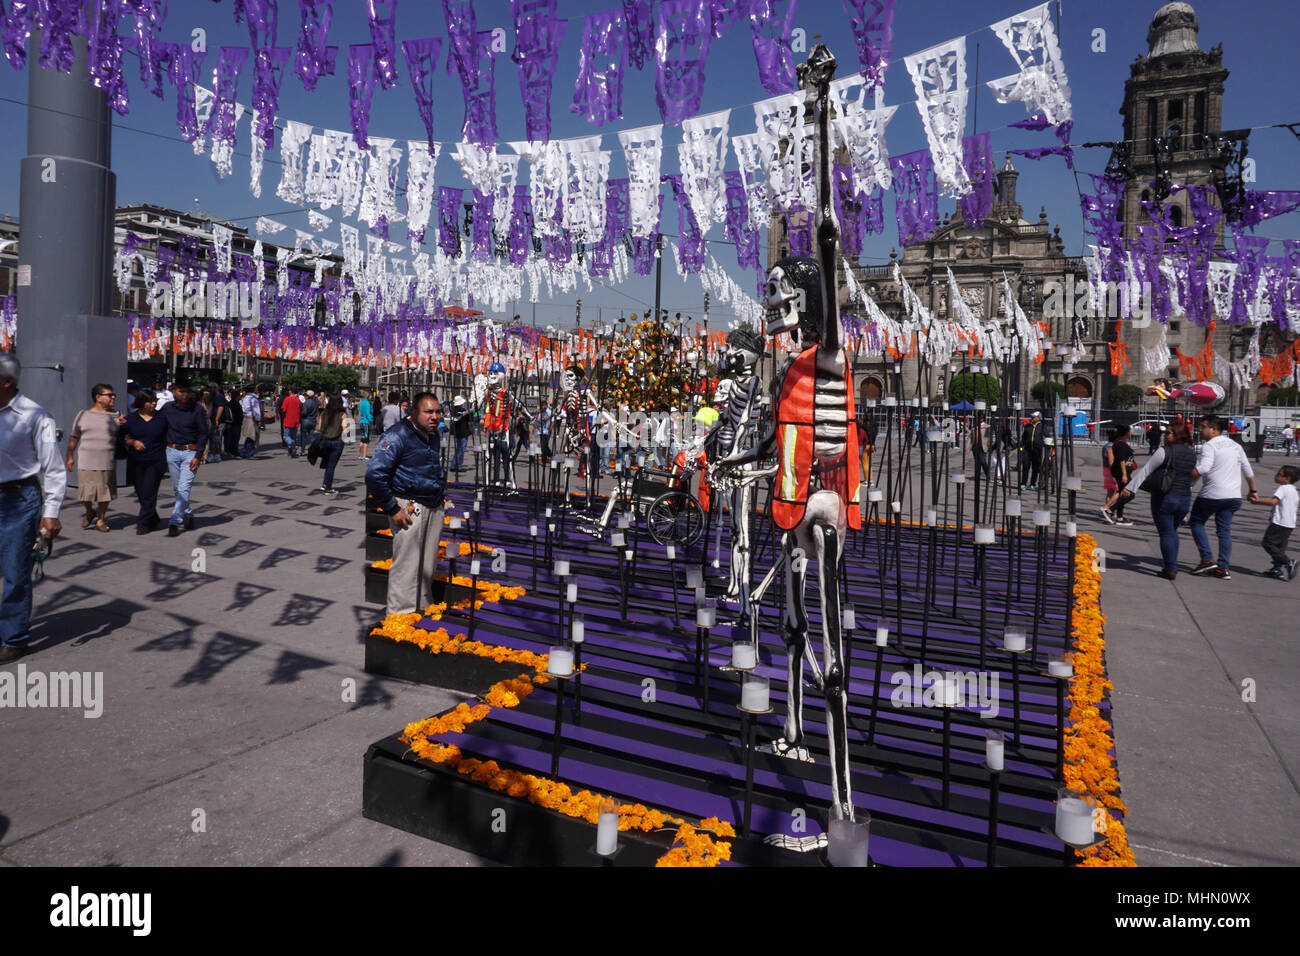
point(224, 690)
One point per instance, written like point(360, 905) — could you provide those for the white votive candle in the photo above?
point(627, 555)
point(1074, 819)
point(571, 593)
point(1042, 517)
point(754, 693)
point(959, 479)
point(706, 617)
point(560, 662)
point(476, 506)
point(847, 842)
point(1057, 667)
point(624, 522)
point(743, 656)
point(551, 528)
point(671, 551)
point(995, 750)
point(981, 406)
point(561, 567)
point(694, 578)
point(607, 833)
point(549, 514)
point(1073, 483)
point(474, 567)
point(579, 629)
point(850, 619)
point(896, 506)
point(532, 529)
point(932, 517)
point(983, 535)
point(882, 636)
point(945, 694)
point(1014, 640)
point(875, 494)
point(933, 435)
point(454, 524)
point(570, 463)
point(1071, 529)
point(617, 540)
point(1013, 507)
point(889, 401)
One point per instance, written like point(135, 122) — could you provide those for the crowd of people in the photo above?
point(1193, 486)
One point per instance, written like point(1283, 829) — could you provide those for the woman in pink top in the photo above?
point(91, 451)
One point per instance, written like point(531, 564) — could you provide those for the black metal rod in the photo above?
point(947, 755)
point(1060, 727)
point(875, 696)
point(995, 785)
point(747, 731)
point(559, 722)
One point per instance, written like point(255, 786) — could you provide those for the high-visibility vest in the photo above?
point(794, 441)
point(497, 418)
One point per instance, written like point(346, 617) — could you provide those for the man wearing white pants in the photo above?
point(406, 477)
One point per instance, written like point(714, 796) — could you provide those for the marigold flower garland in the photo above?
point(692, 845)
point(1089, 745)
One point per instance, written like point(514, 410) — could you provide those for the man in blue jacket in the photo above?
point(406, 477)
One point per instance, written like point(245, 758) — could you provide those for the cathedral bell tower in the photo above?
point(1173, 96)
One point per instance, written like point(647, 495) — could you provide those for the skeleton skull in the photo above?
point(782, 301)
point(793, 299)
point(722, 394)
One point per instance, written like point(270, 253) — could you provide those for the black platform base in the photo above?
point(403, 791)
point(467, 673)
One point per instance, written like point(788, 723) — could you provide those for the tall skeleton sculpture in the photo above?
point(814, 436)
point(736, 431)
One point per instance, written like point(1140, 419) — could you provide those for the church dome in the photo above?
point(1173, 30)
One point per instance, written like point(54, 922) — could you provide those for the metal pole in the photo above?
point(66, 200)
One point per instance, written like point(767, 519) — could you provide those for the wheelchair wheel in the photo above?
point(675, 518)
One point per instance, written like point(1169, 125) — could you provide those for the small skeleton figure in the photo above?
point(814, 437)
point(735, 431)
point(575, 413)
point(500, 408)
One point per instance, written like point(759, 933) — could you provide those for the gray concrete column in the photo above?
point(66, 206)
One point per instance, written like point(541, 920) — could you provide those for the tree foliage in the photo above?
point(332, 380)
point(1124, 396)
point(1047, 392)
point(972, 387)
point(1284, 395)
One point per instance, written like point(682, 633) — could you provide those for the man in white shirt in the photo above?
point(33, 481)
point(1220, 466)
point(164, 394)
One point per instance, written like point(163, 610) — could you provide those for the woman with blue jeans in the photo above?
point(1168, 510)
point(331, 441)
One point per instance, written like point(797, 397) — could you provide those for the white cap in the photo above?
point(345, 391)
point(1036, 415)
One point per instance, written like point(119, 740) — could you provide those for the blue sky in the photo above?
point(1257, 38)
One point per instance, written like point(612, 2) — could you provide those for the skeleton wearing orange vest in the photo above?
point(815, 438)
